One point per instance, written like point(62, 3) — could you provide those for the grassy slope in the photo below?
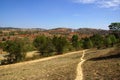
point(100, 65)
point(62, 68)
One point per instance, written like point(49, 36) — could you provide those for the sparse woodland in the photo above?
point(48, 46)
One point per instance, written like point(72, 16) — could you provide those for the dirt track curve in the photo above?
point(79, 75)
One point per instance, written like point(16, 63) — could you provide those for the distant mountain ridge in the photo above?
point(64, 30)
point(92, 31)
point(8, 28)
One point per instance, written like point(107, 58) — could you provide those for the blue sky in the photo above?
point(59, 13)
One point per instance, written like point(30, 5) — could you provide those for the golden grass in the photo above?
point(61, 68)
point(102, 65)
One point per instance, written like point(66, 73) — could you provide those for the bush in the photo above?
point(60, 43)
point(43, 44)
point(16, 51)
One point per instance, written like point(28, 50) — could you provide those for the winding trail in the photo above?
point(79, 75)
point(38, 60)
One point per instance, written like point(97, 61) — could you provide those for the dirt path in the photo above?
point(38, 60)
point(62, 67)
point(79, 75)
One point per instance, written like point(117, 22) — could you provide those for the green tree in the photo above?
point(28, 45)
point(108, 41)
point(43, 44)
point(81, 42)
point(87, 43)
point(113, 39)
point(15, 50)
point(60, 43)
point(98, 41)
point(115, 28)
point(75, 42)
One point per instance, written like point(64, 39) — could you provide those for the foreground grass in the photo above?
point(62, 68)
point(102, 65)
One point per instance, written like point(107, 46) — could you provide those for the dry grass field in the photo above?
point(60, 68)
point(102, 65)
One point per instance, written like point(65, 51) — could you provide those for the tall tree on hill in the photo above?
point(115, 28)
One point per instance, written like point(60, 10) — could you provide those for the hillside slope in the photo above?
point(102, 65)
point(59, 68)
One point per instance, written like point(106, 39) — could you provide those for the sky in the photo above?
point(59, 13)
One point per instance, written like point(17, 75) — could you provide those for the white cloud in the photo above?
point(109, 3)
point(101, 3)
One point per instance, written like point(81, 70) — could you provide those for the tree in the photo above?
point(43, 44)
point(81, 42)
point(115, 28)
point(87, 43)
point(113, 39)
point(15, 50)
point(60, 43)
point(28, 46)
point(108, 41)
point(50, 47)
point(97, 40)
point(75, 42)
point(40, 43)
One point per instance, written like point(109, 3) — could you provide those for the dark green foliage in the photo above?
point(113, 39)
point(60, 43)
point(97, 40)
point(15, 50)
point(28, 46)
point(87, 43)
point(40, 43)
point(75, 43)
point(74, 38)
point(43, 44)
point(50, 47)
point(47, 45)
point(115, 28)
point(81, 42)
point(107, 42)
point(110, 40)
